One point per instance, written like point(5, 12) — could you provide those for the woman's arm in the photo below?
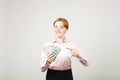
point(46, 60)
point(43, 62)
point(83, 59)
point(77, 53)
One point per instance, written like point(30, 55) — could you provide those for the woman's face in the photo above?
point(59, 29)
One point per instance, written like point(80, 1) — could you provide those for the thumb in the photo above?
point(69, 49)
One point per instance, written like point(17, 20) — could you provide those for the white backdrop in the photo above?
point(27, 25)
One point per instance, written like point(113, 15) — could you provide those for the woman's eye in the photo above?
point(62, 27)
point(55, 26)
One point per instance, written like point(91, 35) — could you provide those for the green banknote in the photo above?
point(51, 49)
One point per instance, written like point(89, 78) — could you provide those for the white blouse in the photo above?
point(63, 59)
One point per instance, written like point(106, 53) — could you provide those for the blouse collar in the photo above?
point(64, 40)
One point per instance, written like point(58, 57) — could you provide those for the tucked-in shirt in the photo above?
point(63, 59)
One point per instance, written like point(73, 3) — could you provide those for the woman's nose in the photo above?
point(58, 28)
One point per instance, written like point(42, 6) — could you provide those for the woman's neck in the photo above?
point(60, 39)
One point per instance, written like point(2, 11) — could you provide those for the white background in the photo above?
point(25, 25)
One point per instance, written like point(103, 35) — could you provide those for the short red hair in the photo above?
point(64, 21)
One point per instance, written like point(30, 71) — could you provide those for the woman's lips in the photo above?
point(58, 32)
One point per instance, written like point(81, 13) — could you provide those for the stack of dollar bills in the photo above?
point(48, 49)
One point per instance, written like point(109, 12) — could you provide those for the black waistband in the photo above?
point(59, 74)
point(59, 70)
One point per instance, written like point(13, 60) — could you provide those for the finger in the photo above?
point(69, 49)
point(51, 56)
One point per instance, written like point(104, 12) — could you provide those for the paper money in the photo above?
point(51, 49)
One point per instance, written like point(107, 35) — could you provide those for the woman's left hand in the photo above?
point(74, 52)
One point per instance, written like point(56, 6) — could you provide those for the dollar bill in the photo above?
point(51, 49)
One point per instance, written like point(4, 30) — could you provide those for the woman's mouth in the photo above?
point(58, 32)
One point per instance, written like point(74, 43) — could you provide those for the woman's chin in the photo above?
point(58, 35)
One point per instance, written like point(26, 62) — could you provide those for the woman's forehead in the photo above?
point(59, 23)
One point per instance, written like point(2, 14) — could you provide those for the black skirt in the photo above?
point(59, 75)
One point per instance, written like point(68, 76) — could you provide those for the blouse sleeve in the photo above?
point(43, 65)
point(82, 58)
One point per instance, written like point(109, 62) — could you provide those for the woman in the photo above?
point(59, 66)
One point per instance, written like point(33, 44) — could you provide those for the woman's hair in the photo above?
point(64, 21)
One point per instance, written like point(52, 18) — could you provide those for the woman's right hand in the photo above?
point(51, 57)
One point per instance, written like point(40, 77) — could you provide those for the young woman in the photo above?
point(59, 66)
